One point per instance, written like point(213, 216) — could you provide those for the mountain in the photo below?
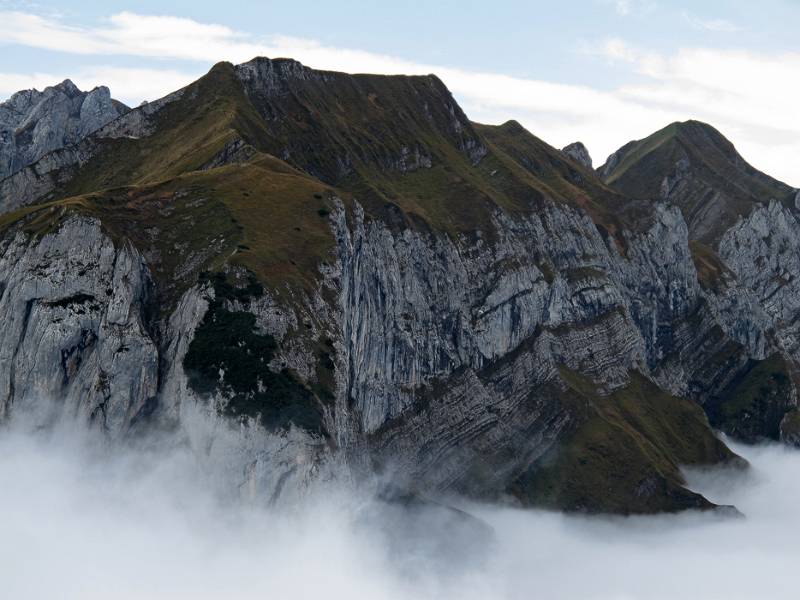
point(313, 275)
point(692, 166)
point(578, 152)
point(33, 123)
point(744, 240)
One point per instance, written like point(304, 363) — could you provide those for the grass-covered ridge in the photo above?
point(187, 133)
point(400, 145)
point(263, 216)
point(625, 454)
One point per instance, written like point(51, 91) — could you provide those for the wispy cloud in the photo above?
point(712, 25)
point(130, 34)
point(625, 8)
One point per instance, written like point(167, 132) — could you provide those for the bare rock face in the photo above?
point(578, 152)
point(76, 331)
point(33, 123)
point(40, 180)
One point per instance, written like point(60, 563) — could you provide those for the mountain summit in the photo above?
point(693, 166)
point(313, 275)
point(579, 152)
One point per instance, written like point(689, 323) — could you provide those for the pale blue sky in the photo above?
point(604, 71)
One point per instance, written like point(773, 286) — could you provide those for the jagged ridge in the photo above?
point(463, 302)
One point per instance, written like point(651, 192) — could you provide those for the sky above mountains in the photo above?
point(600, 71)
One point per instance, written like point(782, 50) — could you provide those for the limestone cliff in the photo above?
point(326, 276)
point(34, 123)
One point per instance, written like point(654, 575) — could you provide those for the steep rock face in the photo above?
point(763, 251)
point(468, 311)
point(418, 308)
point(452, 354)
point(42, 178)
point(448, 355)
point(578, 152)
point(34, 123)
point(80, 343)
point(272, 466)
point(75, 330)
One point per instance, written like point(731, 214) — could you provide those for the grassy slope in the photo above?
point(625, 455)
point(149, 190)
point(188, 133)
point(535, 163)
point(714, 165)
point(264, 216)
point(754, 403)
point(366, 122)
point(711, 270)
point(351, 130)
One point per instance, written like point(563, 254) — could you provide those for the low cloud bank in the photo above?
point(78, 520)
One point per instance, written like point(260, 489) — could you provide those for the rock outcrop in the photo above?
point(76, 328)
point(578, 152)
point(34, 123)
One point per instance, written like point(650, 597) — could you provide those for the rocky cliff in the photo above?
point(321, 275)
point(578, 152)
point(34, 123)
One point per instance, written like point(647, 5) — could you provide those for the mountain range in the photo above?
point(314, 276)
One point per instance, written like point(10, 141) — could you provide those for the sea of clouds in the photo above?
point(79, 520)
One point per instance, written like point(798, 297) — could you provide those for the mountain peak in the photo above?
point(692, 165)
point(35, 123)
point(512, 125)
point(578, 152)
point(68, 87)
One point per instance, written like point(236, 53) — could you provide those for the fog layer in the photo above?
point(81, 521)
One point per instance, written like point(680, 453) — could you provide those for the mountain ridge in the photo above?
point(460, 307)
point(692, 165)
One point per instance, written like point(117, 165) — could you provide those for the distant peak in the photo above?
point(694, 124)
point(512, 126)
point(579, 153)
point(282, 65)
point(68, 87)
point(278, 60)
point(691, 129)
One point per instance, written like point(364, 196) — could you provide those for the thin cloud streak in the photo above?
point(712, 25)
